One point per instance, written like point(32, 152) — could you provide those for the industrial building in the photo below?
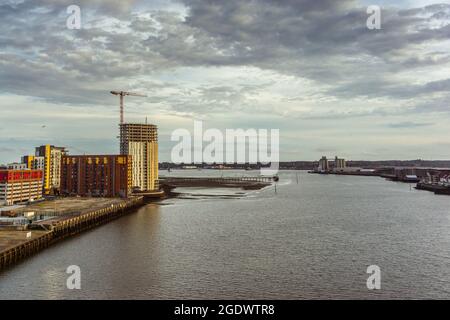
point(339, 164)
point(52, 165)
point(96, 175)
point(324, 166)
point(140, 141)
point(18, 186)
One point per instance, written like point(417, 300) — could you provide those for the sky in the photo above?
point(310, 68)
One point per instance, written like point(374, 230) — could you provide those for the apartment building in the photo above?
point(18, 186)
point(52, 166)
point(96, 175)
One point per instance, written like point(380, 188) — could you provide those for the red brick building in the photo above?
point(96, 175)
point(20, 186)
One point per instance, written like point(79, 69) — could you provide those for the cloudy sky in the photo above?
point(310, 68)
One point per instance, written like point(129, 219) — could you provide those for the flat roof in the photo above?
point(9, 208)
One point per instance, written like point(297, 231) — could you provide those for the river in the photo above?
point(308, 240)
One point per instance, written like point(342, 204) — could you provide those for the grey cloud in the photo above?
point(440, 105)
point(379, 87)
point(6, 149)
point(331, 45)
point(324, 41)
point(325, 150)
point(438, 86)
point(408, 124)
point(427, 10)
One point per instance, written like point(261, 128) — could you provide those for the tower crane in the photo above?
point(121, 94)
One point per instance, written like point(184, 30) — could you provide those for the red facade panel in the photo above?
point(8, 176)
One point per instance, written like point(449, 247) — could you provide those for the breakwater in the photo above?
point(17, 245)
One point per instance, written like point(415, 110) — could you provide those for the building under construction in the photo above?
point(96, 175)
point(141, 142)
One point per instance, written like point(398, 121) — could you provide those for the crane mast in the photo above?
point(121, 95)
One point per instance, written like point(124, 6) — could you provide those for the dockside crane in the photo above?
point(122, 94)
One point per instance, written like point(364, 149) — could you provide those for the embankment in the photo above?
point(17, 245)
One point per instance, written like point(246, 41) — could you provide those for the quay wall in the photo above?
point(65, 227)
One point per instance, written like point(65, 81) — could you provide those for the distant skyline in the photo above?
point(309, 68)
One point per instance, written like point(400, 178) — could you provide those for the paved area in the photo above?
point(68, 205)
point(10, 239)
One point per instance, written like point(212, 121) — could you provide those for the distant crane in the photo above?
point(122, 94)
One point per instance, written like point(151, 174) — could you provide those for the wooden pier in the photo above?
point(169, 183)
point(15, 246)
point(218, 179)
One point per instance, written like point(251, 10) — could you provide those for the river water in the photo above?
point(309, 240)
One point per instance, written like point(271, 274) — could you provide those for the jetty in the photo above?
point(246, 183)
